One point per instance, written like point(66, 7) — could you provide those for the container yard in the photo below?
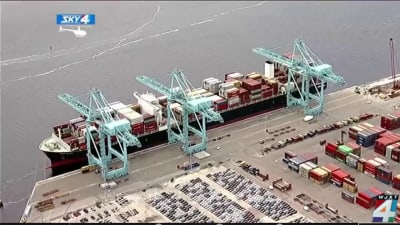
point(340, 160)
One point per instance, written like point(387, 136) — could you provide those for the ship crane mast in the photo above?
point(178, 92)
point(308, 66)
point(393, 64)
point(98, 112)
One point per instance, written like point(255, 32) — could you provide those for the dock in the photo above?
point(156, 191)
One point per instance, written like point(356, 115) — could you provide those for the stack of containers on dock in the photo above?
point(330, 168)
point(231, 93)
point(305, 169)
point(288, 155)
point(295, 162)
point(254, 88)
point(361, 165)
point(392, 151)
point(368, 198)
point(390, 121)
point(330, 149)
point(319, 176)
point(150, 123)
point(383, 142)
point(353, 131)
point(367, 137)
point(370, 167)
point(212, 85)
point(382, 162)
point(356, 149)
point(342, 153)
point(396, 182)
point(350, 185)
point(352, 160)
point(338, 176)
point(384, 175)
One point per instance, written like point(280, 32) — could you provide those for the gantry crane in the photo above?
point(178, 92)
point(393, 64)
point(99, 112)
point(308, 66)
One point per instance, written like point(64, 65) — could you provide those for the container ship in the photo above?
point(236, 97)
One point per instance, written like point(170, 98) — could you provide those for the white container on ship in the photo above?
point(235, 76)
point(214, 86)
point(207, 82)
point(125, 110)
point(207, 94)
point(226, 86)
point(234, 100)
point(389, 150)
point(134, 117)
point(118, 106)
point(215, 98)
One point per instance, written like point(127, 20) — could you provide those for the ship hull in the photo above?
point(64, 162)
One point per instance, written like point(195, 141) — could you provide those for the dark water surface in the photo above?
point(202, 38)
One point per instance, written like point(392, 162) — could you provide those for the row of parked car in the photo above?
point(324, 129)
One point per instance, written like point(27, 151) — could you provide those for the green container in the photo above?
point(345, 149)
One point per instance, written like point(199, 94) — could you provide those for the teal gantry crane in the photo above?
point(178, 92)
point(305, 63)
point(99, 112)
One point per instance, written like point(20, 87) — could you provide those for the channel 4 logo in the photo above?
point(385, 209)
point(76, 19)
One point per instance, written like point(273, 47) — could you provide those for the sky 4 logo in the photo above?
point(76, 19)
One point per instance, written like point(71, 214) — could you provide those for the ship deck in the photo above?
point(152, 170)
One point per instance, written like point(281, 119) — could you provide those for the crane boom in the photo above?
point(79, 106)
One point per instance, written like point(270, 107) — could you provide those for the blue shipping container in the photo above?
point(383, 180)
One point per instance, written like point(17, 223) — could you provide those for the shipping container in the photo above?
point(338, 176)
point(330, 167)
point(318, 176)
point(396, 182)
point(350, 185)
point(384, 175)
point(356, 149)
point(310, 157)
point(389, 149)
point(251, 84)
point(382, 143)
point(351, 160)
point(311, 164)
point(235, 75)
point(289, 155)
point(370, 167)
point(295, 162)
point(349, 197)
point(361, 165)
point(330, 149)
point(364, 203)
point(395, 155)
point(304, 170)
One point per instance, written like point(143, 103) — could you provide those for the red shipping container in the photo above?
point(355, 147)
point(232, 93)
point(310, 157)
point(82, 146)
point(251, 84)
point(395, 156)
point(274, 88)
point(383, 142)
point(340, 156)
point(267, 93)
point(339, 175)
point(363, 203)
point(331, 167)
point(330, 149)
point(370, 171)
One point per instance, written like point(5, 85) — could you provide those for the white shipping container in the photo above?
point(235, 100)
point(226, 86)
point(373, 162)
point(207, 94)
point(304, 170)
point(79, 119)
point(215, 98)
point(134, 117)
point(381, 162)
point(235, 76)
point(208, 81)
point(125, 110)
point(389, 151)
point(312, 165)
point(118, 106)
